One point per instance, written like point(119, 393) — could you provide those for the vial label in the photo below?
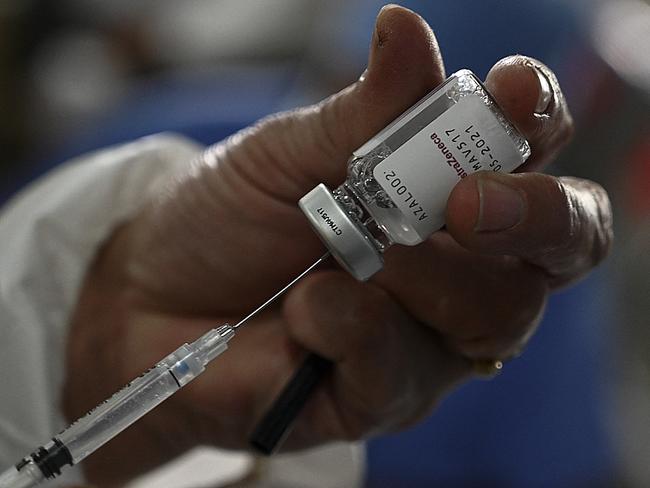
point(420, 174)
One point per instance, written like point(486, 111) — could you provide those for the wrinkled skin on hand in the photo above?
point(227, 233)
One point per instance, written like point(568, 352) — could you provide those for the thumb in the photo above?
point(404, 64)
point(250, 183)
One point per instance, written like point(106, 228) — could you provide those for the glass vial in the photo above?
point(399, 181)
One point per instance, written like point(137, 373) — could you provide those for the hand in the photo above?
point(227, 234)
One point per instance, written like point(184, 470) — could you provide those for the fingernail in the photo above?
point(379, 33)
point(386, 8)
point(389, 6)
point(545, 89)
point(500, 206)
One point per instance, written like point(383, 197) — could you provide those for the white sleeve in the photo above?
point(49, 234)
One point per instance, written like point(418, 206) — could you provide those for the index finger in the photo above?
point(562, 225)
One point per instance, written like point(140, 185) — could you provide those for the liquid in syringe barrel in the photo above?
point(121, 410)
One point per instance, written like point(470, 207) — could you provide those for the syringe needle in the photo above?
point(279, 293)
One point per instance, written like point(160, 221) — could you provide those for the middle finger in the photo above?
point(485, 306)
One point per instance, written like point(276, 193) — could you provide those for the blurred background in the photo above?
point(574, 410)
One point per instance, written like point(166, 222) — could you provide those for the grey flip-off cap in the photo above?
point(349, 245)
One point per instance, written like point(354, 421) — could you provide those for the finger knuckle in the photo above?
point(603, 235)
point(590, 209)
point(571, 223)
point(558, 237)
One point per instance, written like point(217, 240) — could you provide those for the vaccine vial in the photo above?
point(399, 181)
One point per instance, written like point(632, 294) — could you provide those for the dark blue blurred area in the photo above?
point(543, 422)
point(208, 106)
point(200, 106)
point(476, 34)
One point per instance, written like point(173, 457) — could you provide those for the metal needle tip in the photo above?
point(286, 287)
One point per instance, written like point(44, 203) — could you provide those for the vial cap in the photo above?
point(347, 243)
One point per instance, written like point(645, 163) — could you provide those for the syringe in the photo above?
point(117, 413)
point(128, 405)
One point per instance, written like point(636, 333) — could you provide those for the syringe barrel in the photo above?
point(133, 401)
point(117, 413)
